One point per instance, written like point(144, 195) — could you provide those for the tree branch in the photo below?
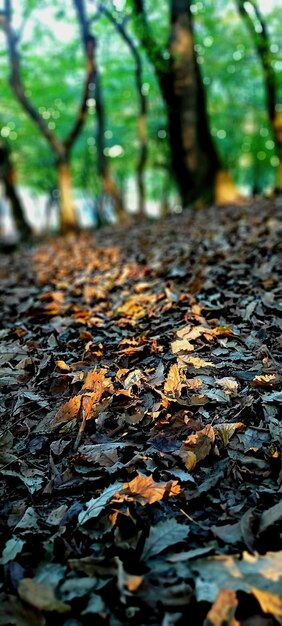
point(261, 42)
point(154, 53)
point(89, 44)
point(17, 84)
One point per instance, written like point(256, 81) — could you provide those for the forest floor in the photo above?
point(140, 463)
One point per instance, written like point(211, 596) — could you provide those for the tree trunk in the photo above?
point(142, 114)
point(277, 133)
point(109, 186)
point(143, 153)
point(7, 175)
point(194, 157)
point(68, 218)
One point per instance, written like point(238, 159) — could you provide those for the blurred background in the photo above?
point(135, 108)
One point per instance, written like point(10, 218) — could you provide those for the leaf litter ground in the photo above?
point(140, 459)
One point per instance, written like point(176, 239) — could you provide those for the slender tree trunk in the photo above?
point(277, 133)
point(142, 113)
point(109, 186)
point(7, 175)
point(143, 153)
point(262, 45)
point(67, 210)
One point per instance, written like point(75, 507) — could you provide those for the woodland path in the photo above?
point(140, 446)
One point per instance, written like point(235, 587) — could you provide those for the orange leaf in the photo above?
point(68, 411)
point(199, 444)
point(145, 490)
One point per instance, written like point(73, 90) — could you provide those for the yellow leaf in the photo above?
point(269, 602)
point(181, 345)
point(63, 366)
point(197, 362)
point(266, 380)
point(173, 383)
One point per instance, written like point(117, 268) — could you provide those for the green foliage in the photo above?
point(53, 73)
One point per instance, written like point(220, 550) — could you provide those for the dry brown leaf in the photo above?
point(62, 365)
point(199, 399)
point(145, 490)
point(226, 431)
point(41, 596)
point(88, 403)
point(269, 602)
point(69, 411)
point(223, 610)
point(193, 383)
point(229, 385)
point(197, 362)
point(173, 384)
point(190, 461)
point(96, 381)
point(200, 444)
point(265, 380)
point(132, 309)
point(181, 345)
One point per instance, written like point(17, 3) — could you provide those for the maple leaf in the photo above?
point(145, 490)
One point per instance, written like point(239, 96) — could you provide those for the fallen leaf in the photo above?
point(270, 517)
point(229, 385)
point(173, 384)
point(14, 613)
point(223, 610)
point(62, 365)
point(41, 596)
point(263, 573)
point(162, 536)
point(197, 362)
point(12, 548)
point(226, 431)
point(96, 381)
point(264, 380)
point(67, 411)
point(95, 506)
point(145, 490)
point(269, 602)
point(190, 461)
point(197, 446)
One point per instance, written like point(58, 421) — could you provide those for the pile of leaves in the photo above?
point(140, 446)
